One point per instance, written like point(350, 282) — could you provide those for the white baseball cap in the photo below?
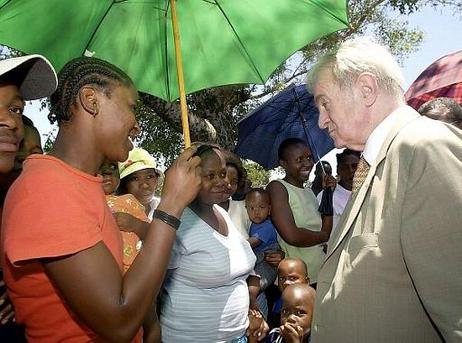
point(35, 73)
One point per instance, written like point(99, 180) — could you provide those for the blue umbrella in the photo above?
point(289, 114)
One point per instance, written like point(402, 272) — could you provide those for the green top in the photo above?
point(304, 208)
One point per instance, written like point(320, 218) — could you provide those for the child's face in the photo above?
point(143, 184)
point(297, 308)
point(258, 207)
point(110, 173)
point(291, 272)
point(232, 177)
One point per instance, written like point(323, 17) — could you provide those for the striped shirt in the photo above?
point(205, 296)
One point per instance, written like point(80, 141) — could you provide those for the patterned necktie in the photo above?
point(360, 174)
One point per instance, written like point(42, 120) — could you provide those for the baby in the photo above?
point(296, 315)
point(262, 233)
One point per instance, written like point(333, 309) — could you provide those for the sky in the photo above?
point(442, 36)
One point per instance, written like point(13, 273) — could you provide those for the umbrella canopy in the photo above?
point(222, 41)
point(291, 113)
point(442, 78)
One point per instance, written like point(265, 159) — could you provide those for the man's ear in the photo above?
point(88, 99)
point(368, 88)
point(283, 163)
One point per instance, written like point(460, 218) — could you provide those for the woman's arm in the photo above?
point(283, 220)
point(91, 282)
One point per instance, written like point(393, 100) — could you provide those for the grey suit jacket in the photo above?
point(393, 272)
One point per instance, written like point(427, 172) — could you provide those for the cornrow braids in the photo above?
point(77, 73)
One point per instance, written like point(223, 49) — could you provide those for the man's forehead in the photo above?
point(322, 84)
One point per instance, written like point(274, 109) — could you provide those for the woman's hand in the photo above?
point(6, 308)
point(182, 183)
point(258, 328)
point(273, 258)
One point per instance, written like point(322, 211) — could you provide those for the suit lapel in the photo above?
point(406, 116)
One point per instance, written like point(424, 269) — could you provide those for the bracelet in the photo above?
point(174, 222)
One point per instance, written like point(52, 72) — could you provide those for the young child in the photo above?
point(262, 234)
point(290, 271)
point(296, 315)
point(129, 213)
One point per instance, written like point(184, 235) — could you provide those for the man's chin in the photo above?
point(338, 144)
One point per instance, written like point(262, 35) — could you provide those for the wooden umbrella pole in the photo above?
point(179, 68)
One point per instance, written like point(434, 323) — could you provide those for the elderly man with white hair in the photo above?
point(393, 270)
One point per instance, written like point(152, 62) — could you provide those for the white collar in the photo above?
point(379, 134)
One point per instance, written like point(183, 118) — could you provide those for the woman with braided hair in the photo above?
point(63, 251)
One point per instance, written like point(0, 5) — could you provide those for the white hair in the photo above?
point(356, 56)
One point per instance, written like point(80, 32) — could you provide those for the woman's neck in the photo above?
point(208, 215)
point(201, 209)
point(224, 205)
point(73, 151)
point(293, 181)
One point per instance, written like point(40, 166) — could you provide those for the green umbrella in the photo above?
point(222, 41)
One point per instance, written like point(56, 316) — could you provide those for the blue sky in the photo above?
point(442, 36)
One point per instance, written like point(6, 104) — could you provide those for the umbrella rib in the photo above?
point(330, 12)
point(167, 73)
point(240, 41)
point(305, 128)
point(6, 3)
point(97, 26)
